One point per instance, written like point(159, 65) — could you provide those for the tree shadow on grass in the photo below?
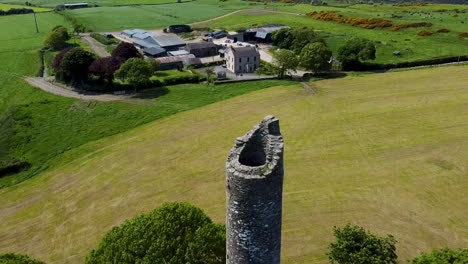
point(324, 76)
point(151, 93)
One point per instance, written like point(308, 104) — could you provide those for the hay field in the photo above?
point(385, 151)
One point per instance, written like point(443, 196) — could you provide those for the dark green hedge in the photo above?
point(12, 258)
point(409, 64)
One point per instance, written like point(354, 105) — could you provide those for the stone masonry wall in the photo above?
point(254, 196)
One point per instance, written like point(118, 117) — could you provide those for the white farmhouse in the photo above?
point(242, 59)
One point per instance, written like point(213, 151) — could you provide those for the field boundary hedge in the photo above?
point(410, 64)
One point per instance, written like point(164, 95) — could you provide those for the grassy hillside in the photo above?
point(6, 7)
point(374, 150)
point(36, 126)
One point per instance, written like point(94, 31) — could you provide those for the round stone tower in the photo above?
point(254, 189)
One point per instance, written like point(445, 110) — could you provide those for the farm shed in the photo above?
point(178, 53)
point(179, 29)
point(174, 62)
point(130, 32)
point(75, 5)
point(169, 42)
point(264, 33)
point(202, 49)
point(154, 51)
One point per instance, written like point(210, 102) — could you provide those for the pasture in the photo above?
point(54, 3)
point(372, 150)
point(37, 127)
point(6, 7)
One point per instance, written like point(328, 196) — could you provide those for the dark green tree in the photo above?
point(57, 39)
point(12, 258)
point(443, 256)
point(286, 61)
point(136, 72)
point(174, 233)
point(354, 51)
point(295, 39)
point(315, 57)
point(75, 64)
point(355, 245)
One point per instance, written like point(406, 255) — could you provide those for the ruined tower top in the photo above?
point(254, 187)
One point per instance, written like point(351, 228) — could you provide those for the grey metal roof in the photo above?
point(244, 51)
point(263, 32)
point(178, 53)
point(172, 59)
point(168, 40)
point(201, 45)
point(145, 44)
point(154, 50)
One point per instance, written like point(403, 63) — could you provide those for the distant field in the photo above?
point(411, 46)
point(385, 151)
point(54, 3)
point(147, 17)
point(6, 7)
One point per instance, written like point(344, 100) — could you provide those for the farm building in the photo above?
point(174, 62)
point(130, 32)
point(202, 49)
point(169, 42)
point(144, 39)
point(236, 36)
point(179, 29)
point(242, 59)
point(264, 34)
point(178, 53)
point(154, 51)
point(75, 5)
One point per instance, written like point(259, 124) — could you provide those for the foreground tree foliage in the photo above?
point(286, 61)
point(136, 72)
point(315, 57)
point(74, 66)
point(355, 245)
point(125, 51)
point(443, 256)
point(354, 51)
point(172, 234)
point(57, 39)
point(12, 258)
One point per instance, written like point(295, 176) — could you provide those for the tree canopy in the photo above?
point(12, 258)
point(57, 39)
point(173, 233)
point(355, 245)
point(74, 65)
point(136, 72)
point(126, 51)
point(105, 68)
point(286, 61)
point(354, 51)
point(315, 57)
point(443, 256)
point(295, 39)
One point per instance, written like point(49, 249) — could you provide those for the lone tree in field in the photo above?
point(135, 72)
point(105, 68)
point(355, 245)
point(12, 258)
point(286, 61)
point(443, 256)
point(75, 64)
point(315, 57)
point(354, 51)
point(174, 233)
point(57, 39)
point(126, 51)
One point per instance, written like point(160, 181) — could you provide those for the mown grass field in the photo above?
point(151, 16)
point(37, 127)
point(377, 151)
point(54, 3)
point(411, 46)
point(6, 7)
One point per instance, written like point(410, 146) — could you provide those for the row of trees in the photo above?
point(75, 66)
point(181, 233)
point(305, 48)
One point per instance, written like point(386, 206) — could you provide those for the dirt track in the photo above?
point(97, 47)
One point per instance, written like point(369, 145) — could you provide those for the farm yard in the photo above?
point(371, 150)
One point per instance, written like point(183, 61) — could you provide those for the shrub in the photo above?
point(443, 256)
point(12, 166)
point(425, 33)
point(411, 25)
point(368, 23)
point(463, 35)
point(354, 244)
point(12, 258)
point(174, 233)
point(103, 40)
point(443, 30)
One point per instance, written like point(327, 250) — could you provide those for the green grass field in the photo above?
point(150, 16)
point(54, 3)
point(37, 127)
point(6, 7)
point(371, 150)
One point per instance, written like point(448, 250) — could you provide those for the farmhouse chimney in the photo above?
point(254, 190)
